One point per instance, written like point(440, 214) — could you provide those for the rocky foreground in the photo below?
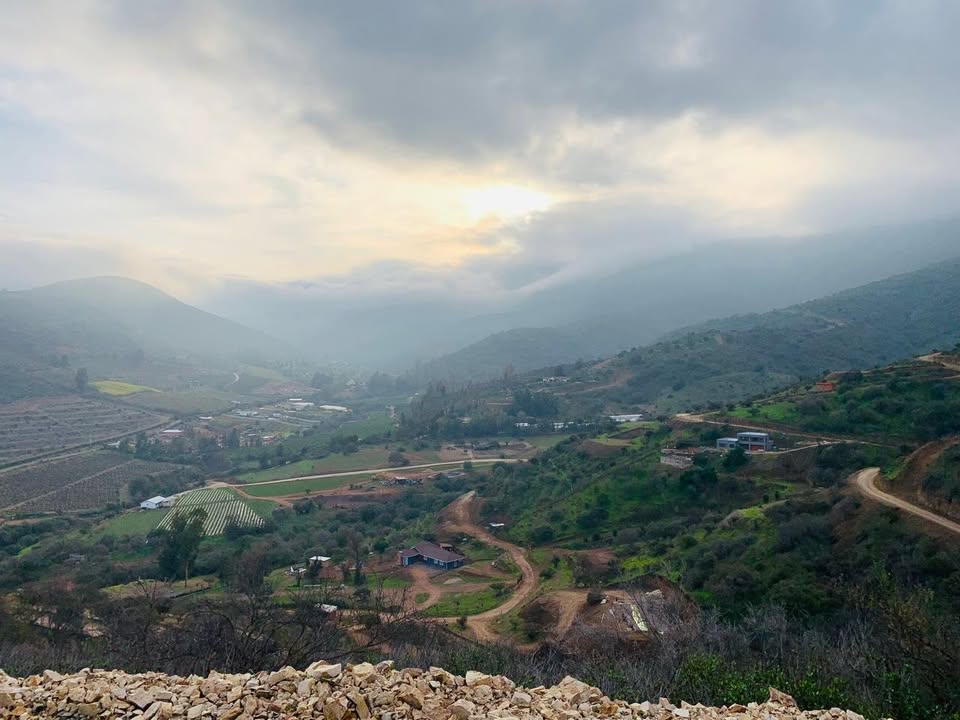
point(353, 692)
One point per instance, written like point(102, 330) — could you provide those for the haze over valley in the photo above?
point(612, 348)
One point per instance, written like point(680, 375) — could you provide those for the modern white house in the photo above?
point(749, 441)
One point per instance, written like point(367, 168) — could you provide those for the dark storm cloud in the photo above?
point(482, 78)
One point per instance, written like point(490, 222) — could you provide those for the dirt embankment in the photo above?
point(909, 482)
point(865, 481)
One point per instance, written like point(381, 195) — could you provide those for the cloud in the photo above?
point(345, 144)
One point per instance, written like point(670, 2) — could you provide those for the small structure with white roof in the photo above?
point(155, 503)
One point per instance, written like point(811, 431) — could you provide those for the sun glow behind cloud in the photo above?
point(294, 143)
point(504, 202)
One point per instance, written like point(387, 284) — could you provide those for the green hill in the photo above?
point(735, 358)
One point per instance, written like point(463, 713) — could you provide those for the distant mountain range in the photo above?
point(105, 320)
point(597, 317)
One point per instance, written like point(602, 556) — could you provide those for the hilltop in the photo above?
point(107, 324)
point(362, 691)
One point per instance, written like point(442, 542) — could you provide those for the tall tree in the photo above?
point(81, 379)
point(181, 543)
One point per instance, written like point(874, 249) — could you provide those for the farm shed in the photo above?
point(431, 554)
point(727, 443)
point(156, 502)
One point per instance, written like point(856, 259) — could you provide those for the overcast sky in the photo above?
point(505, 143)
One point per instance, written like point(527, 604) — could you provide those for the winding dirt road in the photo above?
point(865, 481)
point(460, 521)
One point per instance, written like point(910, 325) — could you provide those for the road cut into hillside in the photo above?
point(865, 481)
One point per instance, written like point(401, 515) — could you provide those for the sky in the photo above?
point(507, 144)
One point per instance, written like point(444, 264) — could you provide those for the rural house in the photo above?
point(432, 554)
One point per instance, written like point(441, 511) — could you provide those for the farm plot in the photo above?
point(43, 425)
point(221, 505)
point(84, 481)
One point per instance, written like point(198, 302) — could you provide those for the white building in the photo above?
point(155, 503)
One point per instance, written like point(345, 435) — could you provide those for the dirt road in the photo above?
point(352, 473)
point(940, 359)
point(421, 585)
point(460, 521)
point(772, 429)
point(865, 481)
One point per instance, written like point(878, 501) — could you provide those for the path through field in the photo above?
point(865, 481)
point(459, 520)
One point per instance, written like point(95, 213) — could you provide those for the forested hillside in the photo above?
point(734, 358)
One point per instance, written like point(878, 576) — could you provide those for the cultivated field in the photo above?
point(120, 388)
point(220, 504)
point(84, 481)
point(43, 425)
point(188, 402)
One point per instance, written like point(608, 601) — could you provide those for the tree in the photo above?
point(81, 379)
point(735, 458)
point(357, 549)
point(233, 439)
point(181, 543)
point(303, 507)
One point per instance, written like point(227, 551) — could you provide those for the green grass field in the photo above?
point(189, 402)
point(118, 388)
point(374, 424)
point(545, 442)
point(299, 487)
point(366, 458)
point(135, 522)
point(471, 603)
point(783, 411)
point(301, 467)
